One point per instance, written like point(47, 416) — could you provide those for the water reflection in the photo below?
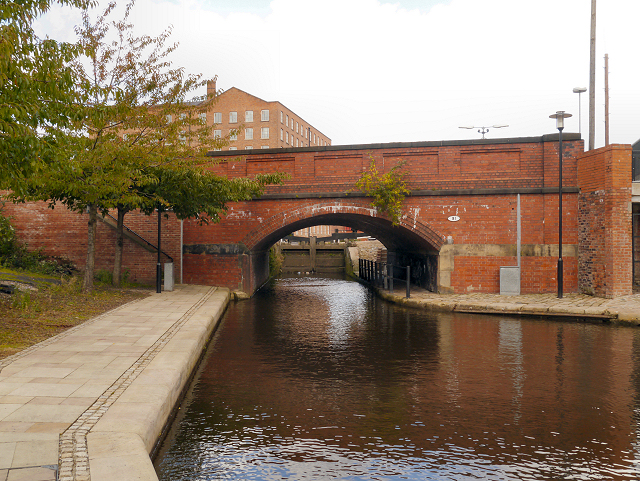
point(317, 379)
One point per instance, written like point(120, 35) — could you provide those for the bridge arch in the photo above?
point(410, 235)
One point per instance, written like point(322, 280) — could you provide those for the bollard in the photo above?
point(390, 268)
point(408, 281)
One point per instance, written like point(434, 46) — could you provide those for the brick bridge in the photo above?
point(478, 181)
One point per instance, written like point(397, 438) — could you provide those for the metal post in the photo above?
point(592, 79)
point(560, 265)
point(390, 268)
point(158, 266)
point(408, 281)
point(385, 276)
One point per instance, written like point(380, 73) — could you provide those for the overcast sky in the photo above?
point(370, 71)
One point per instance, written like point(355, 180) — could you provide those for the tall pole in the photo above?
point(606, 99)
point(580, 113)
point(592, 79)
point(560, 265)
point(158, 265)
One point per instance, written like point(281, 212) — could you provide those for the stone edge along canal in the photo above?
point(123, 452)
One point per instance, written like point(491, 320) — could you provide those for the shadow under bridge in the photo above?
point(414, 245)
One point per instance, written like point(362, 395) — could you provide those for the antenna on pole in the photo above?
point(483, 130)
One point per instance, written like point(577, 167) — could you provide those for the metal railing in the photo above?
point(380, 274)
point(138, 236)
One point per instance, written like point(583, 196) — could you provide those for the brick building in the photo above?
point(253, 123)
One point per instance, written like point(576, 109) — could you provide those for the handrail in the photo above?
point(374, 273)
point(140, 237)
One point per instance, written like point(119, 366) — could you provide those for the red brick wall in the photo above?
point(440, 176)
point(604, 176)
point(63, 233)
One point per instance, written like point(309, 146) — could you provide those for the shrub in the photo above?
point(15, 255)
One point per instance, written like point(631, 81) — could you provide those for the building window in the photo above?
point(248, 116)
point(168, 119)
point(264, 115)
point(296, 142)
point(297, 128)
point(287, 124)
point(286, 135)
point(248, 134)
point(217, 134)
point(248, 147)
point(264, 147)
point(217, 117)
point(233, 117)
point(281, 117)
point(264, 134)
point(203, 117)
point(281, 135)
point(233, 148)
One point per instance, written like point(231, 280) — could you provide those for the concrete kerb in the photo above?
point(502, 305)
point(120, 443)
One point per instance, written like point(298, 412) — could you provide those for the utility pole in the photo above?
point(592, 79)
point(606, 99)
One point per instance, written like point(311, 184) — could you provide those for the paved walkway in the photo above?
point(92, 401)
point(621, 310)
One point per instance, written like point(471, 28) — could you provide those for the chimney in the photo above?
point(211, 87)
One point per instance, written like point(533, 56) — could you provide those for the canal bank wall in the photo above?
point(623, 311)
point(129, 432)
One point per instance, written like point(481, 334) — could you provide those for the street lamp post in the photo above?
point(560, 115)
point(579, 91)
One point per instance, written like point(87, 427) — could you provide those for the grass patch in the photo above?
point(32, 314)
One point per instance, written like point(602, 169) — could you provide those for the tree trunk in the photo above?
point(87, 284)
point(117, 263)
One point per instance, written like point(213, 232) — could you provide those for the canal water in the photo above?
point(317, 379)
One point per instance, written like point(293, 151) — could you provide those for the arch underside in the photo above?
point(414, 237)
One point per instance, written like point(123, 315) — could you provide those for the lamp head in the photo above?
point(560, 115)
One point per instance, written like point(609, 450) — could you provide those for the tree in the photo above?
point(388, 190)
point(138, 138)
point(38, 101)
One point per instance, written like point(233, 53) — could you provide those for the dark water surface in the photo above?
point(317, 379)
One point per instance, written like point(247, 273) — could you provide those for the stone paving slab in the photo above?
point(623, 310)
point(91, 402)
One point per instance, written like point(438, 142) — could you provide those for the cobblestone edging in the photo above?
point(25, 352)
point(73, 457)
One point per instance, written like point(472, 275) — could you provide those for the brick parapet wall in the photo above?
point(63, 233)
point(604, 176)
